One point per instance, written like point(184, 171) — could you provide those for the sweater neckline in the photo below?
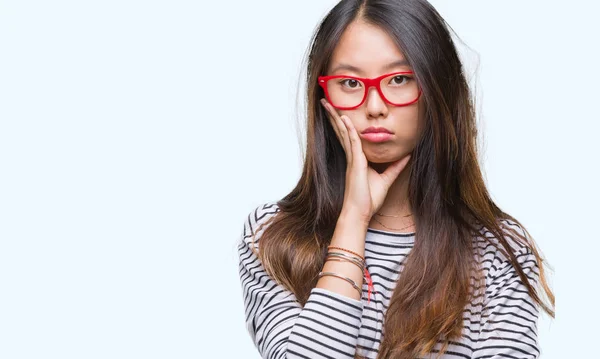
point(388, 233)
point(390, 238)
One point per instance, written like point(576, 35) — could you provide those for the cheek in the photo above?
point(407, 123)
point(351, 114)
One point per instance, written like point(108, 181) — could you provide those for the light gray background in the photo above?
point(127, 171)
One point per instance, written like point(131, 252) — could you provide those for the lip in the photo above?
point(374, 129)
point(376, 136)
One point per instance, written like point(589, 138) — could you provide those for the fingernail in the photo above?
point(323, 102)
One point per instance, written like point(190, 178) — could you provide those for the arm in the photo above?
point(326, 327)
point(509, 317)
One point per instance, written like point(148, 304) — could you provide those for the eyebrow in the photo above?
point(387, 67)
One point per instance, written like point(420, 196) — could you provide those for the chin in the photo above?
point(384, 156)
point(381, 160)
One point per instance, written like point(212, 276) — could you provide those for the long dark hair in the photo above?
point(447, 192)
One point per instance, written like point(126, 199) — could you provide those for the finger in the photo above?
point(334, 125)
point(340, 128)
point(391, 173)
point(355, 142)
point(346, 135)
point(342, 135)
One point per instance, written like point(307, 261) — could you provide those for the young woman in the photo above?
point(390, 245)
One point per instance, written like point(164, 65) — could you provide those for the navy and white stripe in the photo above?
point(500, 324)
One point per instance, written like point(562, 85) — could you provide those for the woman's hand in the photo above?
point(366, 189)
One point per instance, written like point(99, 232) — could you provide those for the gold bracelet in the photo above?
point(346, 250)
point(360, 265)
point(340, 254)
point(359, 290)
point(343, 260)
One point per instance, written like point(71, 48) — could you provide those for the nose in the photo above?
point(376, 105)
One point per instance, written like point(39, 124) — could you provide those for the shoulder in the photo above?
point(256, 221)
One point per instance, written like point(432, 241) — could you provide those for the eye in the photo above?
point(399, 79)
point(350, 83)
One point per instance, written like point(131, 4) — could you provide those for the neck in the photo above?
point(396, 200)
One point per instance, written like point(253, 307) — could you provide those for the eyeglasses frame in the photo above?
point(368, 82)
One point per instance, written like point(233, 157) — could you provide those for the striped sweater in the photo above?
point(500, 324)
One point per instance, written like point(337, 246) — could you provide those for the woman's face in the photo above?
point(370, 51)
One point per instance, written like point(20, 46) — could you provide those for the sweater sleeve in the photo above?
point(509, 318)
point(326, 327)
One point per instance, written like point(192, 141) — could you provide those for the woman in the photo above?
point(390, 245)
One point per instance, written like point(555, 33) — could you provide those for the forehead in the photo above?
point(367, 48)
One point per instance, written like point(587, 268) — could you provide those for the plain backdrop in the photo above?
point(136, 136)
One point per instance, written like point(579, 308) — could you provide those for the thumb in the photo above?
point(391, 173)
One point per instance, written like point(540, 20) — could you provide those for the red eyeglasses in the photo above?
point(349, 92)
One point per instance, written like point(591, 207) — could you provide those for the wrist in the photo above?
point(352, 218)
